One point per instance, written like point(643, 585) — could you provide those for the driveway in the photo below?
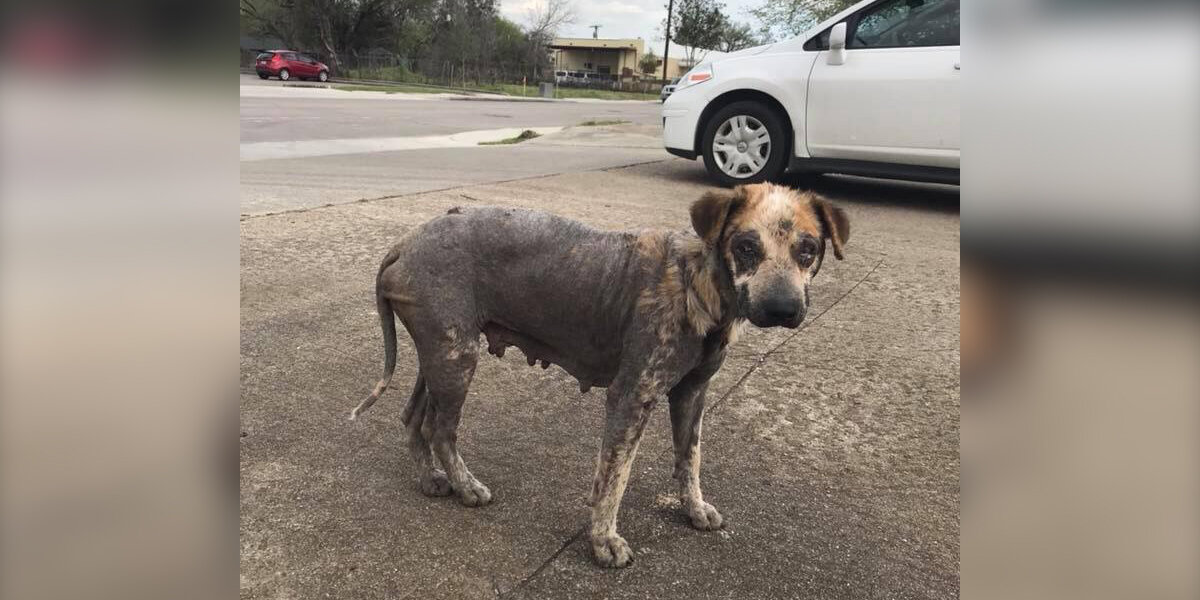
point(832, 450)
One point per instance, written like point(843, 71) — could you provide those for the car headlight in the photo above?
point(698, 74)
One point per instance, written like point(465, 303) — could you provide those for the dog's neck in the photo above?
point(711, 299)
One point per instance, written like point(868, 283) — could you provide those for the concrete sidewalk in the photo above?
point(832, 450)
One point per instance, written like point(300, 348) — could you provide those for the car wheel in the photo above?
point(262, 75)
point(745, 142)
point(284, 74)
point(323, 76)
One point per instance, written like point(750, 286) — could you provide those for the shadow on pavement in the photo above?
point(862, 190)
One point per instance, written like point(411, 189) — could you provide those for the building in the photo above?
point(614, 59)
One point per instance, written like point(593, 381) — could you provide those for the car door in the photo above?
point(895, 97)
point(292, 63)
point(308, 64)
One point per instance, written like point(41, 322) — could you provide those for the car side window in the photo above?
point(906, 24)
point(308, 59)
point(289, 56)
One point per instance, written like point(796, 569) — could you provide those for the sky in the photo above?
point(621, 18)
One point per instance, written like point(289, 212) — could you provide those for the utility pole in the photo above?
point(667, 46)
point(595, 31)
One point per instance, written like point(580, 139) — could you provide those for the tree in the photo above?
point(696, 25)
point(736, 36)
point(545, 19)
point(793, 17)
point(649, 63)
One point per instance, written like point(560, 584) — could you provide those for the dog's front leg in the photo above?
point(687, 417)
point(627, 410)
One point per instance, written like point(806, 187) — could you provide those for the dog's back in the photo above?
point(552, 278)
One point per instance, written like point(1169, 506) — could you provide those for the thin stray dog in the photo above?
point(644, 314)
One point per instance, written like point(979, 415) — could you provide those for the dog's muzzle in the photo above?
point(780, 311)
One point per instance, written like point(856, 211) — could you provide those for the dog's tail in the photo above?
point(387, 320)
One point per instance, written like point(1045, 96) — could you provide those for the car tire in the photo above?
point(263, 75)
point(323, 76)
point(730, 170)
point(285, 75)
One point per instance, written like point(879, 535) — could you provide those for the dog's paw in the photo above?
point(475, 494)
point(435, 484)
point(612, 552)
point(703, 515)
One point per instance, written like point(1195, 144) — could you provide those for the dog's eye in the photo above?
point(746, 248)
point(806, 253)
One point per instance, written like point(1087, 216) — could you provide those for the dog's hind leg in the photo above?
point(430, 480)
point(449, 366)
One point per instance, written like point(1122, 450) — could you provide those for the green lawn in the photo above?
point(515, 89)
point(395, 89)
point(409, 83)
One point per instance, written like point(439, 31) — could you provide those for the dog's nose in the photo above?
point(782, 309)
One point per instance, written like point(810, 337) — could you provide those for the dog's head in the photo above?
point(772, 239)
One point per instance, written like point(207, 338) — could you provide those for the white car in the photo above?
point(667, 90)
point(872, 91)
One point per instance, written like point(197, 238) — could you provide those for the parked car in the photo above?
point(667, 90)
point(288, 64)
point(872, 91)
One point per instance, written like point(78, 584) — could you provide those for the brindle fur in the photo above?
point(647, 315)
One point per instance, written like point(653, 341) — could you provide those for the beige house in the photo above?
point(676, 67)
point(612, 59)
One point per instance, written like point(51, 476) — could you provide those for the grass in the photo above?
point(411, 83)
point(602, 94)
point(515, 89)
point(599, 123)
point(528, 134)
point(394, 89)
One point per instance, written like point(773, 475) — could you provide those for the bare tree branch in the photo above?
point(548, 16)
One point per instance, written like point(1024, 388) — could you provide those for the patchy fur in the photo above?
point(646, 315)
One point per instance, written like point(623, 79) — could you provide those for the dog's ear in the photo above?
point(712, 210)
point(834, 222)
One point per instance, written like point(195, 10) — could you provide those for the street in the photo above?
point(269, 115)
point(831, 450)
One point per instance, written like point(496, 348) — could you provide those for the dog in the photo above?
point(646, 315)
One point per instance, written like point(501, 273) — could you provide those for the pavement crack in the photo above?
point(248, 217)
point(538, 571)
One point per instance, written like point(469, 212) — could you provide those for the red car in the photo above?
point(288, 64)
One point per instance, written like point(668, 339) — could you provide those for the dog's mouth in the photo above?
point(765, 322)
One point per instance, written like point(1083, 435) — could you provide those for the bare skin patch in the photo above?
point(647, 315)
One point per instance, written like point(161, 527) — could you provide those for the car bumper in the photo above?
point(679, 126)
point(265, 71)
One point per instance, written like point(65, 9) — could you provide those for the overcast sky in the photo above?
point(621, 18)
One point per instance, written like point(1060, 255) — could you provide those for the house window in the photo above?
point(587, 65)
point(604, 69)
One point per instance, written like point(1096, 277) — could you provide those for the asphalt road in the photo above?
point(273, 115)
point(285, 119)
point(832, 450)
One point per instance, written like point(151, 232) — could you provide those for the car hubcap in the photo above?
point(284, 75)
point(741, 146)
point(324, 77)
